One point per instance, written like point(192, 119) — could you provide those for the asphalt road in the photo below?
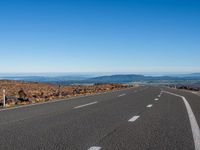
point(146, 118)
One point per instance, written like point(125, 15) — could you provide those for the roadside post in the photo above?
point(4, 98)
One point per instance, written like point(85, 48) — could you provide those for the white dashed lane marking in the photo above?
point(85, 105)
point(133, 119)
point(94, 148)
point(149, 106)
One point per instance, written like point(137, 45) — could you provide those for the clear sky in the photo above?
point(99, 36)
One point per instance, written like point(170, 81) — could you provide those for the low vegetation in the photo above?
point(21, 93)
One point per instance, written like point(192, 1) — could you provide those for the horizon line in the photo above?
point(87, 73)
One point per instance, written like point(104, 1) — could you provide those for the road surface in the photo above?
point(144, 118)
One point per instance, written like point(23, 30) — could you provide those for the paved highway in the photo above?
point(144, 118)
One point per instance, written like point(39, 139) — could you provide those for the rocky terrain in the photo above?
point(191, 87)
point(20, 93)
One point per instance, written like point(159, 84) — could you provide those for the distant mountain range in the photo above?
point(126, 78)
point(133, 77)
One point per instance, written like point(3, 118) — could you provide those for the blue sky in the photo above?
point(100, 36)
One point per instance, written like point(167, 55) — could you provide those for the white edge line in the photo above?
point(193, 121)
point(156, 99)
point(133, 119)
point(94, 148)
point(80, 106)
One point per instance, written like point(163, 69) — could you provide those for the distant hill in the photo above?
point(117, 78)
point(128, 78)
point(125, 78)
point(135, 78)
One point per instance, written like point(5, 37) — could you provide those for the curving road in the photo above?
point(146, 118)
